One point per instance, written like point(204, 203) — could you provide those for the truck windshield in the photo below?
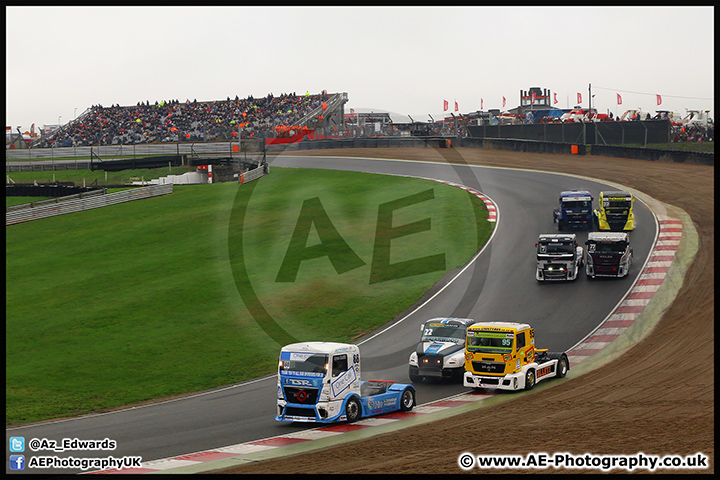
point(443, 334)
point(617, 203)
point(577, 203)
point(303, 362)
point(555, 248)
point(607, 247)
point(490, 342)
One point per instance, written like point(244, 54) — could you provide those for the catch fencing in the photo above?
point(62, 205)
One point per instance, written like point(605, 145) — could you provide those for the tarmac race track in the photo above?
point(500, 285)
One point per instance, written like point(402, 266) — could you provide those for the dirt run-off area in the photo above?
point(657, 398)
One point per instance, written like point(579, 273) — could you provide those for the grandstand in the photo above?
point(219, 120)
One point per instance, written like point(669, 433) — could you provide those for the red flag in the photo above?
point(445, 105)
point(619, 99)
point(532, 98)
point(579, 98)
point(659, 100)
point(456, 107)
point(503, 102)
point(554, 98)
point(481, 104)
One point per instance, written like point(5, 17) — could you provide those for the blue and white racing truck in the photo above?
point(441, 351)
point(574, 210)
point(320, 382)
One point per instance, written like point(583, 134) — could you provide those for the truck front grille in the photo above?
point(489, 367)
point(307, 396)
point(430, 362)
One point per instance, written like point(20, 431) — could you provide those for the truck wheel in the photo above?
point(562, 367)
point(353, 410)
point(530, 379)
point(414, 377)
point(407, 400)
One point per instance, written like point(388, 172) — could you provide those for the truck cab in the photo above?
point(503, 355)
point(615, 212)
point(441, 351)
point(320, 382)
point(608, 254)
point(559, 257)
point(574, 210)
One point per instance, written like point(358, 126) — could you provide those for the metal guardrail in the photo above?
point(42, 203)
point(78, 205)
point(114, 151)
point(254, 174)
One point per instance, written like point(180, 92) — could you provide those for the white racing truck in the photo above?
point(441, 351)
point(608, 254)
point(559, 257)
point(502, 355)
point(320, 382)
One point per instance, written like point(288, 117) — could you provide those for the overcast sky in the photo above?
point(62, 60)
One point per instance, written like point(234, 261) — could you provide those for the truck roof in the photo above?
point(500, 325)
point(319, 347)
point(608, 237)
point(459, 322)
point(576, 195)
point(615, 193)
point(558, 237)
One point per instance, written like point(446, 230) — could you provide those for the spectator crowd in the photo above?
point(693, 133)
point(173, 121)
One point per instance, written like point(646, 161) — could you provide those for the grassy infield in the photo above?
point(138, 301)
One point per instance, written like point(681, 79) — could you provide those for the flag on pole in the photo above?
point(445, 105)
point(532, 98)
point(481, 104)
point(554, 98)
point(619, 99)
point(579, 98)
point(503, 102)
point(659, 100)
point(456, 107)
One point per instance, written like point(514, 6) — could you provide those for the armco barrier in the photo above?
point(254, 174)
point(71, 206)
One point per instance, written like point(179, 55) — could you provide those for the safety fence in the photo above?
point(597, 133)
point(59, 206)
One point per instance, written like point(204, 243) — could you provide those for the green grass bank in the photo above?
point(142, 300)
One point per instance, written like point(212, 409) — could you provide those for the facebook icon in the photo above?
point(17, 462)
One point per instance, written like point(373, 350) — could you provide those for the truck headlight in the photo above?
point(413, 358)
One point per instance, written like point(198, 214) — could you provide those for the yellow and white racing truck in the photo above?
point(615, 211)
point(502, 355)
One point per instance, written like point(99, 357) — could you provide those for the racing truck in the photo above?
point(502, 355)
point(441, 351)
point(559, 257)
point(574, 210)
point(608, 254)
point(615, 211)
point(320, 382)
